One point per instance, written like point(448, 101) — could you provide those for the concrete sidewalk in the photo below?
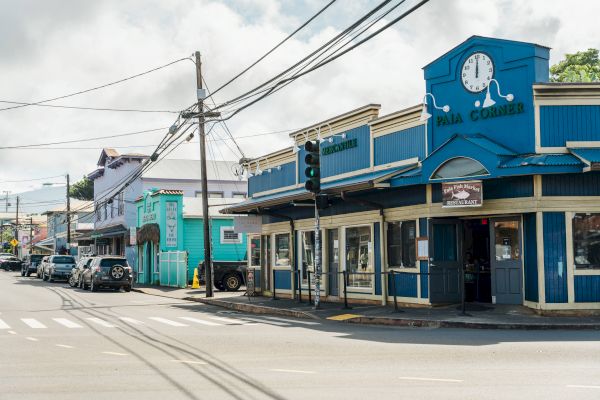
point(478, 316)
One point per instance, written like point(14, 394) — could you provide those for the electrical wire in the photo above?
point(33, 179)
point(97, 87)
point(89, 108)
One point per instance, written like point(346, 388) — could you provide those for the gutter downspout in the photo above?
point(382, 247)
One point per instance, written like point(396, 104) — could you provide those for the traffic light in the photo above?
point(313, 166)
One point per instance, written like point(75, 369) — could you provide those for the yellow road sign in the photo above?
point(14, 242)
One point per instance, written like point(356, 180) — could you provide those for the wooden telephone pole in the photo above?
point(68, 215)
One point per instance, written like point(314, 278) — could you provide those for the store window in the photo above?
point(460, 167)
point(586, 241)
point(255, 251)
point(282, 249)
point(216, 195)
point(230, 236)
point(401, 238)
point(238, 195)
point(506, 234)
point(307, 255)
point(359, 259)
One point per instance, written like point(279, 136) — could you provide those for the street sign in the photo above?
point(14, 242)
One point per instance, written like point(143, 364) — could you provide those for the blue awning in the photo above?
point(363, 181)
point(588, 155)
point(541, 160)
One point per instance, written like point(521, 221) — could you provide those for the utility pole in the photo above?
point(68, 215)
point(318, 268)
point(201, 95)
point(6, 192)
point(30, 235)
point(17, 228)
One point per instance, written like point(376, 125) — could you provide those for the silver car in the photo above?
point(58, 267)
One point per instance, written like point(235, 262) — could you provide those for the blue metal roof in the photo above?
point(411, 177)
point(541, 160)
point(370, 177)
point(589, 155)
point(489, 145)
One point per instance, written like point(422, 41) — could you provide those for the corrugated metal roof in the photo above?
point(370, 177)
point(271, 199)
point(541, 160)
point(589, 155)
point(411, 177)
point(190, 169)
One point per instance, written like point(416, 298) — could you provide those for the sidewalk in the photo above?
point(478, 316)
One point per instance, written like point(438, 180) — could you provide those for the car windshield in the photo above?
point(109, 262)
point(63, 260)
point(36, 257)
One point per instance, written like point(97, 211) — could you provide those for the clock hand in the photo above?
point(477, 68)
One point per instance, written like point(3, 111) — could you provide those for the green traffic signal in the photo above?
point(313, 166)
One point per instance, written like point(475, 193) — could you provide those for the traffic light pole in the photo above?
point(318, 268)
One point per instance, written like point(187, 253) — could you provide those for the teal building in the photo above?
point(169, 237)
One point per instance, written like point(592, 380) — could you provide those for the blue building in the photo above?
point(490, 186)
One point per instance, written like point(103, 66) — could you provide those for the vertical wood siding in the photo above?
point(555, 260)
point(401, 145)
point(559, 124)
point(377, 255)
point(506, 188)
point(273, 180)
point(349, 160)
point(587, 288)
point(586, 184)
point(530, 257)
point(283, 279)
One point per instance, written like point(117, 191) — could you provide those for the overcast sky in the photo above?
point(50, 48)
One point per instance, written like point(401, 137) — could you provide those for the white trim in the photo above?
point(229, 241)
point(569, 257)
point(347, 174)
point(540, 252)
point(408, 161)
point(583, 144)
point(396, 128)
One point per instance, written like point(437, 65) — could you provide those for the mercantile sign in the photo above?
point(335, 148)
point(462, 194)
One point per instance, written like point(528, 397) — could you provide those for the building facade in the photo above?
point(169, 223)
point(490, 188)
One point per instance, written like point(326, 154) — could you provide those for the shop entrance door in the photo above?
point(506, 265)
point(445, 260)
point(266, 263)
point(333, 258)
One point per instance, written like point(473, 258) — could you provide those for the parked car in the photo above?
point(112, 272)
point(58, 267)
point(11, 263)
point(77, 271)
point(227, 275)
point(30, 263)
point(40, 267)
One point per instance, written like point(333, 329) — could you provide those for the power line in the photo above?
point(89, 108)
point(33, 179)
point(97, 87)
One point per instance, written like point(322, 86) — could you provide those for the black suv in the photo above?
point(112, 272)
point(30, 264)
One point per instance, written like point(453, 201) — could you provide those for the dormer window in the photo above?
point(460, 167)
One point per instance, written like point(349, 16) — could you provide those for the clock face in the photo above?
point(476, 72)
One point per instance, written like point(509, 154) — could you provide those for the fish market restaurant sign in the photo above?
point(462, 194)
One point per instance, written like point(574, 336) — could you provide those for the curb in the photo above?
point(423, 323)
point(254, 308)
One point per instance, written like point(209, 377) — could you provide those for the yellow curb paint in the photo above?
point(343, 317)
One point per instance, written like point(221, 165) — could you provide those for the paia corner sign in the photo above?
point(462, 194)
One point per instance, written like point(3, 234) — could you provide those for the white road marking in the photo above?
point(66, 346)
point(112, 353)
point(262, 321)
point(131, 320)
point(189, 362)
point(167, 321)
point(415, 378)
point(68, 323)
point(12, 332)
point(31, 338)
point(101, 322)
point(33, 323)
point(293, 371)
point(200, 321)
point(4, 325)
point(228, 320)
point(584, 386)
point(293, 321)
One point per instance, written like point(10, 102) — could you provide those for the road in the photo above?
point(62, 343)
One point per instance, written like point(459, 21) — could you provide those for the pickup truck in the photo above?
point(227, 275)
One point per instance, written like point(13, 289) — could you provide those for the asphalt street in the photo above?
point(62, 343)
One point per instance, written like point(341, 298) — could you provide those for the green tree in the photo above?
point(583, 66)
point(82, 190)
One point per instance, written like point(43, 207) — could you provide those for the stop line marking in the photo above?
point(415, 378)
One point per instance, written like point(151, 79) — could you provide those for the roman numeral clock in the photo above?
point(477, 72)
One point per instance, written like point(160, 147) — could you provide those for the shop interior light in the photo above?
point(488, 101)
point(424, 114)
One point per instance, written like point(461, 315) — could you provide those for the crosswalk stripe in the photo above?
point(262, 321)
point(131, 320)
point(101, 322)
point(4, 325)
point(68, 323)
point(167, 321)
point(33, 323)
point(200, 321)
point(229, 320)
point(293, 321)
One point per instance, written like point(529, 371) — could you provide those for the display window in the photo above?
point(307, 255)
point(401, 241)
point(359, 257)
point(586, 241)
point(255, 251)
point(282, 250)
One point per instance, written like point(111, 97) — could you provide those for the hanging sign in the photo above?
point(247, 223)
point(462, 194)
point(171, 212)
point(132, 236)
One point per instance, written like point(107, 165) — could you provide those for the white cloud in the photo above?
point(55, 47)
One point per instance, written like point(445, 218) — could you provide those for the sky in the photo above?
point(51, 48)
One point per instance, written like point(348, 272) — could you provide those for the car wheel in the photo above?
point(127, 288)
point(22, 273)
point(44, 277)
point(93, 287)
point(232, 282)
point(28, 274)
point(72, 281)
point(50, 278)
